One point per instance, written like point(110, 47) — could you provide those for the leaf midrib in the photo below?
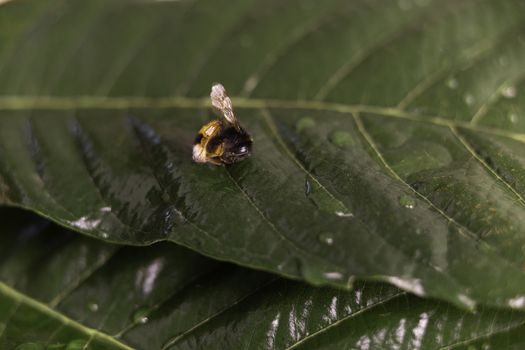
point(21, 298)
point(19, 103)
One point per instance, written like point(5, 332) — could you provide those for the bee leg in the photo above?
point(215, 161)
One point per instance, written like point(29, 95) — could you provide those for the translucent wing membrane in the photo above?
point(221, 101)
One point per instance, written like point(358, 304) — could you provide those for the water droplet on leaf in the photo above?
point(307, 187)
point(326, 238)
point(141, 316)
point(93, 307)
point(452, 83)
point(517, 302)
point(317, 275)
point(467, 301)
point(304, 123)
point(407, 202)
point(333, 276)
point(341, 139)
point(77, 344)
point(469, 99)
point(509, 92)
point(343, 214)
point(410, 284)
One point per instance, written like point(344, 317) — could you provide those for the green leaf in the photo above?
point(388, 135)
point(74, 292)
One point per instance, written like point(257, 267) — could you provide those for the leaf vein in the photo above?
point(131, 102)
point(206, 56)
point(273, 57)
point(81, 279)
point(370, 141)
point(81, 138)
point(477, 53)
point(218, 313)
point(487, 335)
point(271, 124)
point(487, 166)
point(493, 98)
point(37, 305)
point(347, 68)
point(179, 289)
point(348, 317)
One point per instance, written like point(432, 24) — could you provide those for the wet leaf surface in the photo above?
point(78, 292)
point(388, 135)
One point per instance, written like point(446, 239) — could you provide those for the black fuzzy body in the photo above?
point(236, 144)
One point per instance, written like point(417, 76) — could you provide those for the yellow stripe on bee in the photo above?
point(211, 128)
point(219, 150)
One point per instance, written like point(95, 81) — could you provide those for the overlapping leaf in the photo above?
point(76, 292)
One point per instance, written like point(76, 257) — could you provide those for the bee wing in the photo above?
point(221, 101)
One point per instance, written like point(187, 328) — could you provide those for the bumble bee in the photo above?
point(224, 141)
